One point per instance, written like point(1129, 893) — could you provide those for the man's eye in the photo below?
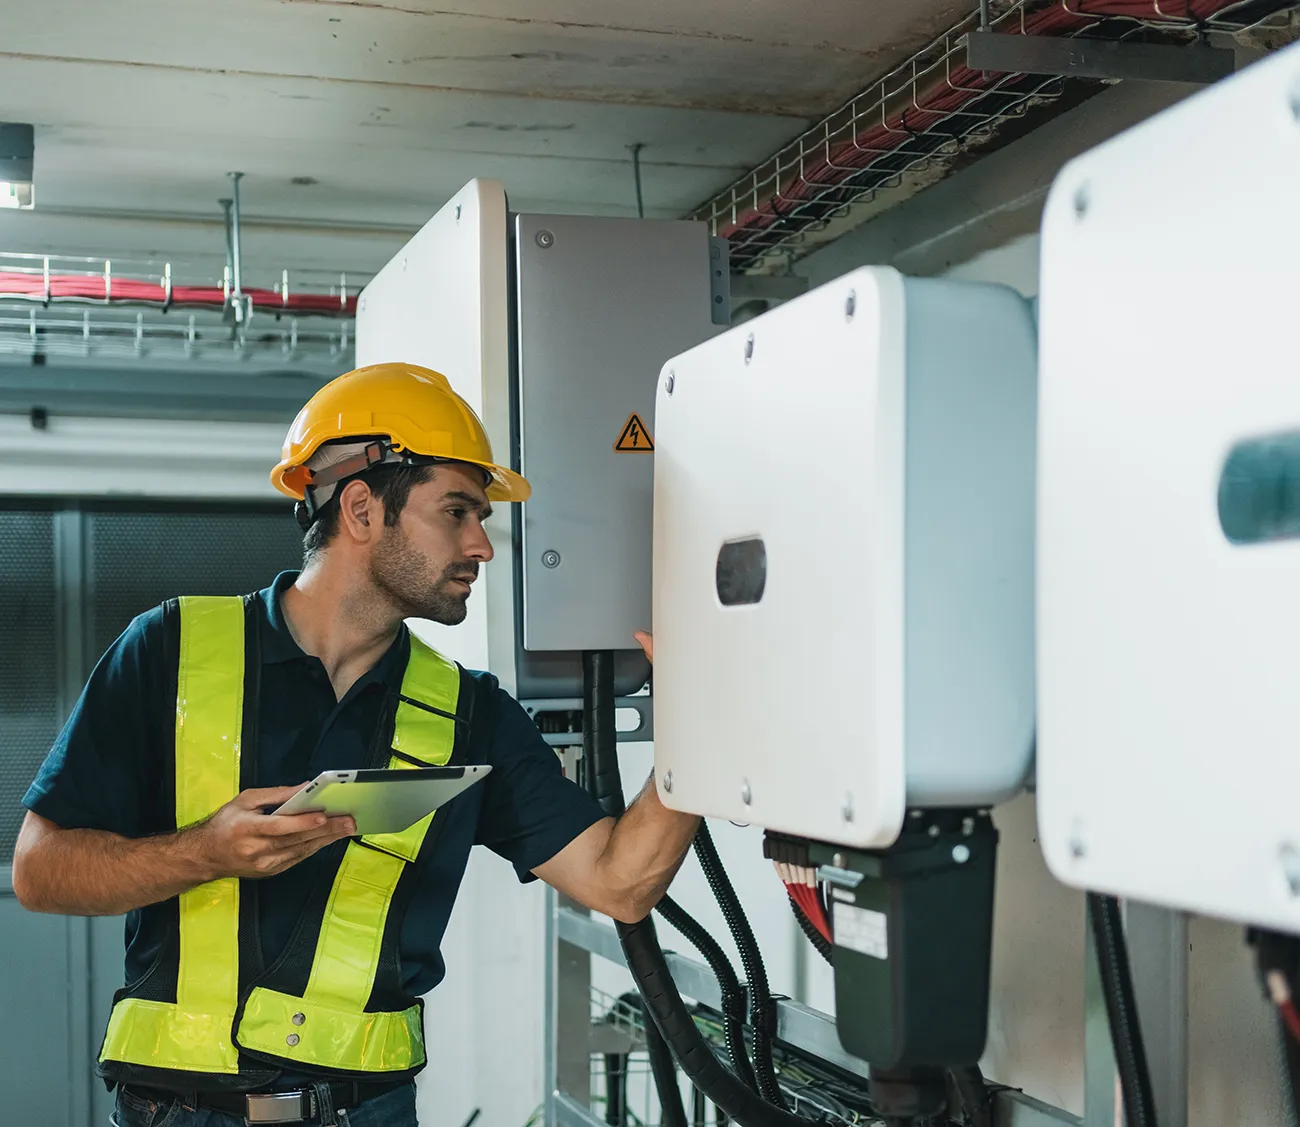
point(456, 514)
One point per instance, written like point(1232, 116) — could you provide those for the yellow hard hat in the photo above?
point(412, 414)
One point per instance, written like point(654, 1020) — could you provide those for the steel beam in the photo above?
point(771, 287)
point(1015, 1109)
point(570, 1113)
point(1096, 58)
point(1158, 955)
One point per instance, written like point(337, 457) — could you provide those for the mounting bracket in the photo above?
point(1096, 58)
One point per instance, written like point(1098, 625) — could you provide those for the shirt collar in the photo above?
point(279, 646)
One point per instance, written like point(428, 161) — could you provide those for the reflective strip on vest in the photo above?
point(194, 1032)
point(328, 1026)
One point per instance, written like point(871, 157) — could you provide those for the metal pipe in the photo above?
point(636, 174)
point(230, 239)
point(235, 178)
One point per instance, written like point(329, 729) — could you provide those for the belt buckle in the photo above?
point(274, 1107)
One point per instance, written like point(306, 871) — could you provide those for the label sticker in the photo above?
point(634, 438)
point(861, 929)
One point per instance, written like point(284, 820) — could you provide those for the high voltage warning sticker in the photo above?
point(635, 439)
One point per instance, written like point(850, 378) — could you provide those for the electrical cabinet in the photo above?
point(843, 564)
point(1169, 515)
point(554, 329)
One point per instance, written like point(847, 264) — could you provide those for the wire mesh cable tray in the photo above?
point(929, 111)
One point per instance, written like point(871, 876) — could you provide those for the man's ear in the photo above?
point(361, 515)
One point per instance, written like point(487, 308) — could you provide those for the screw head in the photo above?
point(1082, 200)
point(1077, 849)
point(961, 854)
point(292, 1039)
point(670, 383)
point(850, 305)
point(299, 1019)
point(668, 781)
point(545, 240)
point(746, 795)
point(838, 860)
point(846, 811)
point(749, 348)
point(458, 213)
point(967, 826)
point(551, 558)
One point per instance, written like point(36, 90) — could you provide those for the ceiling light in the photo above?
point(17, 151)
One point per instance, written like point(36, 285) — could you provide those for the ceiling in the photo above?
point(355, 119)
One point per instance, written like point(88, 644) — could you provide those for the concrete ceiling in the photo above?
point(381, 109)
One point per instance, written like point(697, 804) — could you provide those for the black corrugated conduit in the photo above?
point(1121, 1010)
point(733, 996)
point(665, 1009)
point(604, 784)
point(762, 1010)
point(815, 937)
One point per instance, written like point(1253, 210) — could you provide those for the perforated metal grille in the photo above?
point(139, 559)
point(29, 699)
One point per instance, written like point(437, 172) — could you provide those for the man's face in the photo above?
point(426, 562)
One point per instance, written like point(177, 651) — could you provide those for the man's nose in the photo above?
point(477, 545)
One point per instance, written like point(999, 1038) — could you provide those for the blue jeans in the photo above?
point(392, 1109)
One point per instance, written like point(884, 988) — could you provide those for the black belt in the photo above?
point(295, 1105)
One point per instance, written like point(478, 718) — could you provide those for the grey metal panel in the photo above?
point(1096, 58)
point(602, 304)
point(29, 672)
point(39, 1078)
point(139, 558)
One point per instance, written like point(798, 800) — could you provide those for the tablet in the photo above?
point(383, 802)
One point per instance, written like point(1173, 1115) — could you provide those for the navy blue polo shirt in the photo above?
point(105, 770)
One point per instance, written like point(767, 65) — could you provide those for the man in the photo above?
point(274, 963)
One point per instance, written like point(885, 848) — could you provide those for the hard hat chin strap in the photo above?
point(378, 452)
point(328, 478)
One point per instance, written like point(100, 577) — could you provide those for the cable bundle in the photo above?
point(823, 165)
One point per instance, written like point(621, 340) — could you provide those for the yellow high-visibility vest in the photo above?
point(216, 1016)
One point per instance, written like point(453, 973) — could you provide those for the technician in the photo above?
point(275, 964)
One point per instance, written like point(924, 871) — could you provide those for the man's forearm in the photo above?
point(97, 873)
point(645, 849)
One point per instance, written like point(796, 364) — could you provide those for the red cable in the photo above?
point(91, 288)
point(806, 900)
point(1290, 1018)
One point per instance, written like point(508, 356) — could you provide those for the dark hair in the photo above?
point(390, 485)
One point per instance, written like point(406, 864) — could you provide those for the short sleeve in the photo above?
point(530, 811)
point(103, 766)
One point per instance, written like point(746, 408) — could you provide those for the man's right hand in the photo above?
point(239, 840)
